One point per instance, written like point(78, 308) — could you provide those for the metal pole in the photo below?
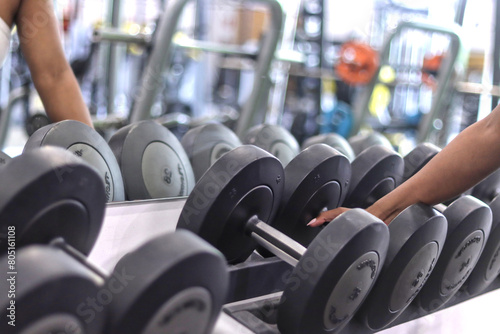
point(360, 109)
point(254, 110)
point(281, 78)
point(159, 61)
point(114, 16)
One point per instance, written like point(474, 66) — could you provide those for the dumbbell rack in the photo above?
point(255, 285)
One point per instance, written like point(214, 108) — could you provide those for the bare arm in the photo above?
point(466, 160)
point(51, 73)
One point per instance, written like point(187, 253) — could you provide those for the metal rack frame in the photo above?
point(360, 108)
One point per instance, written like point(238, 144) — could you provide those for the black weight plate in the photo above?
point(488, 266)
point(417, 237)
point(207, 143)
point(175, 283)
point(334, 275)
point(152, 161)
point(469, 224)
point(244, 182)
point(418, 158)
point(361, 142)
point(487, 189)
point(334, 140)
point(35, 122)
point(317, 179)
point(275, 140)
point(86, 143)
point(47, 193)
point(4, 158)
point(51, 293)
point(375, 172)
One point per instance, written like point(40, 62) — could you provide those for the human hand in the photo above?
point(326, 216)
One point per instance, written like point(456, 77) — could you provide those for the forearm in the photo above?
point(50, 71)
point(469, 158)
point(62, 98)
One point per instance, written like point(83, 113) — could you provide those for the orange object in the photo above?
point(358, 63)
point(430, 68)
point(67, 16)
point(431, 64)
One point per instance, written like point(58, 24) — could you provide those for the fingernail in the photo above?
point(311, 222)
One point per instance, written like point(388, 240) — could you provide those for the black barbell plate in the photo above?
point(244, 182)
point(47, 193)
point(274, 139)
point(35, 122)
point(176, 283)
point(488, 188)
point(207, 143)
point(334, 140)
point(4, 159)
point(152, 161)
point(334, 276)
point(362, 141)
point(469, 224)
point(86, 143)
point(418, 158)
point(375, 172)
point(317, 179)
point(51, 293)
point(418, 235)
point(488, 266)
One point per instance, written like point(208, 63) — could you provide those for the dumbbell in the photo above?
point(488, 265)
point(152, 161)
point(274, 139)
point(173, 283)
point(362, 141)
point(4, 158)
point(207, 143)
point(86, 143)
point(43, 290)
point(35, 122)
point(487, 189)
point(375, 172)
point(418, 158)
point(334, 140)
point(416, 237)
point(47, 192)
point(317, 178)
point(469, 226)
point(166, 281)
point(331, 278)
